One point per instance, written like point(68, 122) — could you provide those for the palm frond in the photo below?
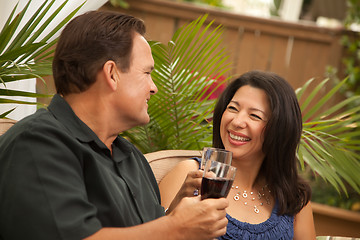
point(330, 138)
point(185, 71)
point(3, 115)
point(23, 54)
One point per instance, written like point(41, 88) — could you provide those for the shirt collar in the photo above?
point(64, 114)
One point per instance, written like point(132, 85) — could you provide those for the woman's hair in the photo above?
point(282, 135)
point(87, 42)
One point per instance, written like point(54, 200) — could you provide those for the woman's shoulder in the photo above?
point(197, 159)
point(179, 171)
point(187, 165)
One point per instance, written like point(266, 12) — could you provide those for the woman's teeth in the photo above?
point(238, 138)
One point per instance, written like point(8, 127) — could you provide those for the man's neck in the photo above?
point(95, 114)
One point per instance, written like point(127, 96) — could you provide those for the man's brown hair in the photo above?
point(87, 42)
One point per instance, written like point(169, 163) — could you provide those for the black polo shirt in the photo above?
point(59, 181)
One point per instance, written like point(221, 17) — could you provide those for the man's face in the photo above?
point(136, 86)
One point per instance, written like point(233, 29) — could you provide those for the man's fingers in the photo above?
point(220, 203)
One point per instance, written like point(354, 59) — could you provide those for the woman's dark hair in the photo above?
point(87, 42)
point(282, 135)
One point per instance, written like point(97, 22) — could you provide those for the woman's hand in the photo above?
point(180, 182)
point(189, 188)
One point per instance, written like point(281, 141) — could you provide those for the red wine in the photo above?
point(215, 188)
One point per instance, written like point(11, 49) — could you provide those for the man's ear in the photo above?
point(111, 74)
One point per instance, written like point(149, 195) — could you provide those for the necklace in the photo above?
point(246, 197)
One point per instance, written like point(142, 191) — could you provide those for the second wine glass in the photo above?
point(215, 154)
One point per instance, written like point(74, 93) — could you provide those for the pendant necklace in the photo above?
point(246, 197)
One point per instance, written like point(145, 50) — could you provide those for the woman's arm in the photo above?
point(304, 228)
point(184, 176)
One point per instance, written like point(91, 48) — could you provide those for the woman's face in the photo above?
point(243, 122)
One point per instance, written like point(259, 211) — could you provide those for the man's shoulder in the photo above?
point(39, 122)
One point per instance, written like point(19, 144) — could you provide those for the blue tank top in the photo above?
point(275, 228)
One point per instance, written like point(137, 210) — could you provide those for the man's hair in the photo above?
point(87, 42)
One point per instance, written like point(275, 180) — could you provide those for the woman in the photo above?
point(258, 118)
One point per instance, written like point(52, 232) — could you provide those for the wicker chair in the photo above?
point(5, 124)
point(162, 162)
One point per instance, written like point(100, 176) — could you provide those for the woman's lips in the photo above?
point(239, 138)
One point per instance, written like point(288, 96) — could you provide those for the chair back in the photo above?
point(162, 162)
point(5, 124)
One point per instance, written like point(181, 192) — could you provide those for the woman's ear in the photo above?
point(111, 74)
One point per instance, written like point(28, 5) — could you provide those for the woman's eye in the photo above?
point(256, 116)
point(232, 108)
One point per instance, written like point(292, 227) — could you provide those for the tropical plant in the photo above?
point(181, 111)
point(329, 143)
point(351, 43)
point(119, 3)
point(186, 70)
point(23, 55)
point(214, 3)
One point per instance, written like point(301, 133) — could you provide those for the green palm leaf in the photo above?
point(185, 70)
point(330, 139)
point(24, 55)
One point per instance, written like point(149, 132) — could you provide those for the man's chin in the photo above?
point(139, 121)
point(144, 121)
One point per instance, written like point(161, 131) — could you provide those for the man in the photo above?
point(64, 171)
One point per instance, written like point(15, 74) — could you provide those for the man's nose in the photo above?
point(153, 88)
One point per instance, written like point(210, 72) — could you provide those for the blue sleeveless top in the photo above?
point(275, 228)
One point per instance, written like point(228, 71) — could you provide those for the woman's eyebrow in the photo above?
point(235, 102)
point(253, 109)
point(259, 110)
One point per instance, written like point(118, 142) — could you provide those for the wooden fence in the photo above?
point(296, 51)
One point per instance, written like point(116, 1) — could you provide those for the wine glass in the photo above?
point(217, 179)
point(215, 154)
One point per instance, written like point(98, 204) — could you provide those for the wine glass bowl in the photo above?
point(215, 154)
point(217, 179)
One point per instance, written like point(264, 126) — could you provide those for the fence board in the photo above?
point(297, 51)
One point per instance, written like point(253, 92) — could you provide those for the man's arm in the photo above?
point(191, 219)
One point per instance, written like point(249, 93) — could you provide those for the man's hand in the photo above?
point(197, 219)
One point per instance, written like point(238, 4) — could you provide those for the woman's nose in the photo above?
point(240, 121)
